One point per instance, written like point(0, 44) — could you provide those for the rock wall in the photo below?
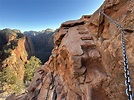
point(87, 64)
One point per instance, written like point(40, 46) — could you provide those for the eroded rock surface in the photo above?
point(87, 65)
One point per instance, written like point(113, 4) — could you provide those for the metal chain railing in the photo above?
point(129, 92)
point(126, 70)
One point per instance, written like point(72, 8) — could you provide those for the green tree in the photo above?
point(30, 67)
point(9, 81)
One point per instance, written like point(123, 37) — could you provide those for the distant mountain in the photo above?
point(47, 31)
point(31, 33)
point(42, 42)
point(34, 33)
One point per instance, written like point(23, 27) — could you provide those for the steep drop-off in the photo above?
point(85, 65)
point(42, 42)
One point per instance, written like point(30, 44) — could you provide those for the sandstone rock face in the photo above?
point(87, 64)
point(16, 48)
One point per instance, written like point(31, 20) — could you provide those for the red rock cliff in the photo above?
point(87, 65)
point(14, 52)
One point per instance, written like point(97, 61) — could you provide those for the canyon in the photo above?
point(87, 62)
point(42, 42)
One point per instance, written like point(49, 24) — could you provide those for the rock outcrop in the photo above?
point(15, 49)
point(86, 64)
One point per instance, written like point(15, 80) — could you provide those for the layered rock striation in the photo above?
point(87, 63)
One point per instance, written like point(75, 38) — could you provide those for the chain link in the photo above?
point(129, 92)
point(126, 69)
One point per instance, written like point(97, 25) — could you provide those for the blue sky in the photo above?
point(41, 14)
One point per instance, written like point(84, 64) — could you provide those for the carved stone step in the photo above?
point(83, 32)
point(88, 43)
point(87, 38)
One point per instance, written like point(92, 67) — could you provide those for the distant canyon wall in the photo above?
point(42, 43)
